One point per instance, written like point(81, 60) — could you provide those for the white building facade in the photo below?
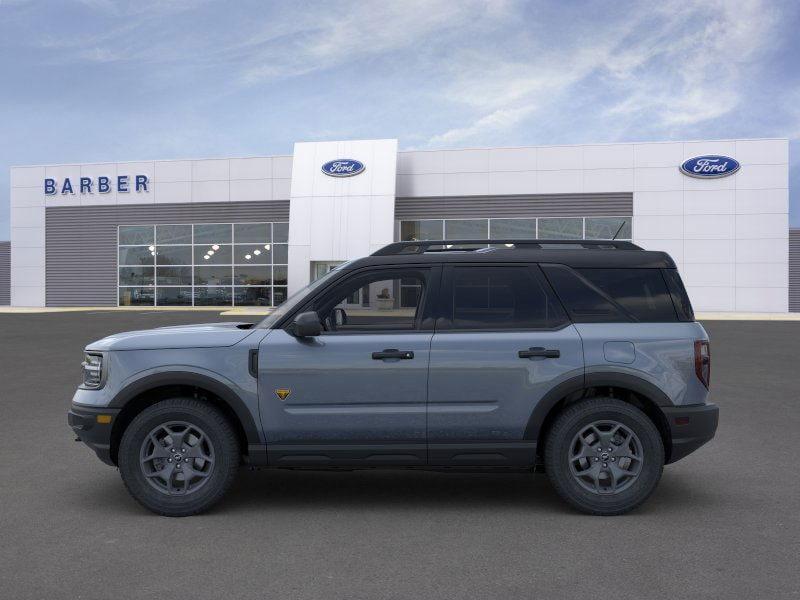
point(249, 231)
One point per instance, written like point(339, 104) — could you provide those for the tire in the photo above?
point(579, 464)
point(200, 471)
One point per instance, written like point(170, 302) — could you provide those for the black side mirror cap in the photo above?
point(306, 325)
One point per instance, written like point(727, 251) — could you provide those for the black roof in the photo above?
point(573, 253)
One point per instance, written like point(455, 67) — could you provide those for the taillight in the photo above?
point(702, 361)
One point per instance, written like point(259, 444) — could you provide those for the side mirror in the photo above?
point(306, 325)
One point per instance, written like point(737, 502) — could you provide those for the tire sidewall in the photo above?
point(226, 458)
point(570, 423)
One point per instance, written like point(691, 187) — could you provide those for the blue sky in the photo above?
point(103, 81)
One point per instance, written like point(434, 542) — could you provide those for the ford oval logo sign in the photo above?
point(343, 167)
point(710, 166)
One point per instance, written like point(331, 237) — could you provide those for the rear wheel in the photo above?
point(604, 456)
point(178, 457)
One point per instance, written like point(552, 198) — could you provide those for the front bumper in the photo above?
point(690, 427)
point(84, 423)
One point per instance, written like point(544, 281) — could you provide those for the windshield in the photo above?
point(297, 298)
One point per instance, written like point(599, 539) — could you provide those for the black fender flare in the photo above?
point(548, 401)
point(193, 379)
point(632, 382)
point(591, 380)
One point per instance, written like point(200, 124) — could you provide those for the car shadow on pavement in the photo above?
point(356, 490)
point(283, 490)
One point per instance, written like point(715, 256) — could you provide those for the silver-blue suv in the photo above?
point(582, 359)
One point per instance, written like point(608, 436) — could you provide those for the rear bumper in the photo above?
point(83, 421)
point(690, 428)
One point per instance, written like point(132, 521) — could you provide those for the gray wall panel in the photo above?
point(5, 273)
point(794, 270)
point(546, 205)
point(81, 241)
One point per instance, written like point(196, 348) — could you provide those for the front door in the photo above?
point(502, 342)
point(357, 393)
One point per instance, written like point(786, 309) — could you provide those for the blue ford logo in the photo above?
point(710, 166)
point(343, 167)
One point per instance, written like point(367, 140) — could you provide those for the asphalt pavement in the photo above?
point(724, 522)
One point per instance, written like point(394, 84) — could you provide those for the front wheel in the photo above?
point(604, 456)
point(178, 457)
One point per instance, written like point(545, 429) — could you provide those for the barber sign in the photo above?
point(710, 166)
point(343, 167)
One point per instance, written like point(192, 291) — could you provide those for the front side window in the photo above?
point(287, 305)
point(501, 298)
point(380, 301)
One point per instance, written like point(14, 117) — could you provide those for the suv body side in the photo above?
point(467, 398)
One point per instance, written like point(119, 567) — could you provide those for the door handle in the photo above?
point(392, 353)
point(539, 352)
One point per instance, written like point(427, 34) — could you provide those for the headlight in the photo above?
point(92, 370)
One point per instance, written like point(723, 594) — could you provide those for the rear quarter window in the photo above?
point(608, 295)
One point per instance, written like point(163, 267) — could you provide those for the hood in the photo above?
point(205, 335)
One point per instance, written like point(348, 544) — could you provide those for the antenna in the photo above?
point(621, 225)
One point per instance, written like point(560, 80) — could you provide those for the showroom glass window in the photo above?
point(571, 228)
point(203, 264)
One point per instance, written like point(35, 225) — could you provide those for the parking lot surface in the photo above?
point(724, 522)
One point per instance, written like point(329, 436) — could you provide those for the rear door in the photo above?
point(502, 342)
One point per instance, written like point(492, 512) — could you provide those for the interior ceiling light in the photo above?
point(151, 248)
point(215, 247)
point(211, 253)
point(256, 252)
point(153, 253)
point(247, 257)
point(266, 246)
point(206, 257)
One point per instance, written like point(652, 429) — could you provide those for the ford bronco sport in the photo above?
point(579, 358)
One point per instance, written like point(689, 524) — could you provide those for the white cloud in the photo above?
point(671, 65)
point(305, 43)
point(695, 74)
point(500, 119)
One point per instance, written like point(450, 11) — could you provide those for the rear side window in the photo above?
point(585, 302)
point(603, 295)
point(500, 297)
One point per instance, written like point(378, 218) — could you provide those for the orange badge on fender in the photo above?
point(283, 393)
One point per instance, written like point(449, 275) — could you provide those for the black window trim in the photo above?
point(424, 321)
point(677, 291)
point(444, 324)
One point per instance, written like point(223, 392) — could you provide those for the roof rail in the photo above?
point(420, 247)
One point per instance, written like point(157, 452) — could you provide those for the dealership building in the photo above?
point(249, 231)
